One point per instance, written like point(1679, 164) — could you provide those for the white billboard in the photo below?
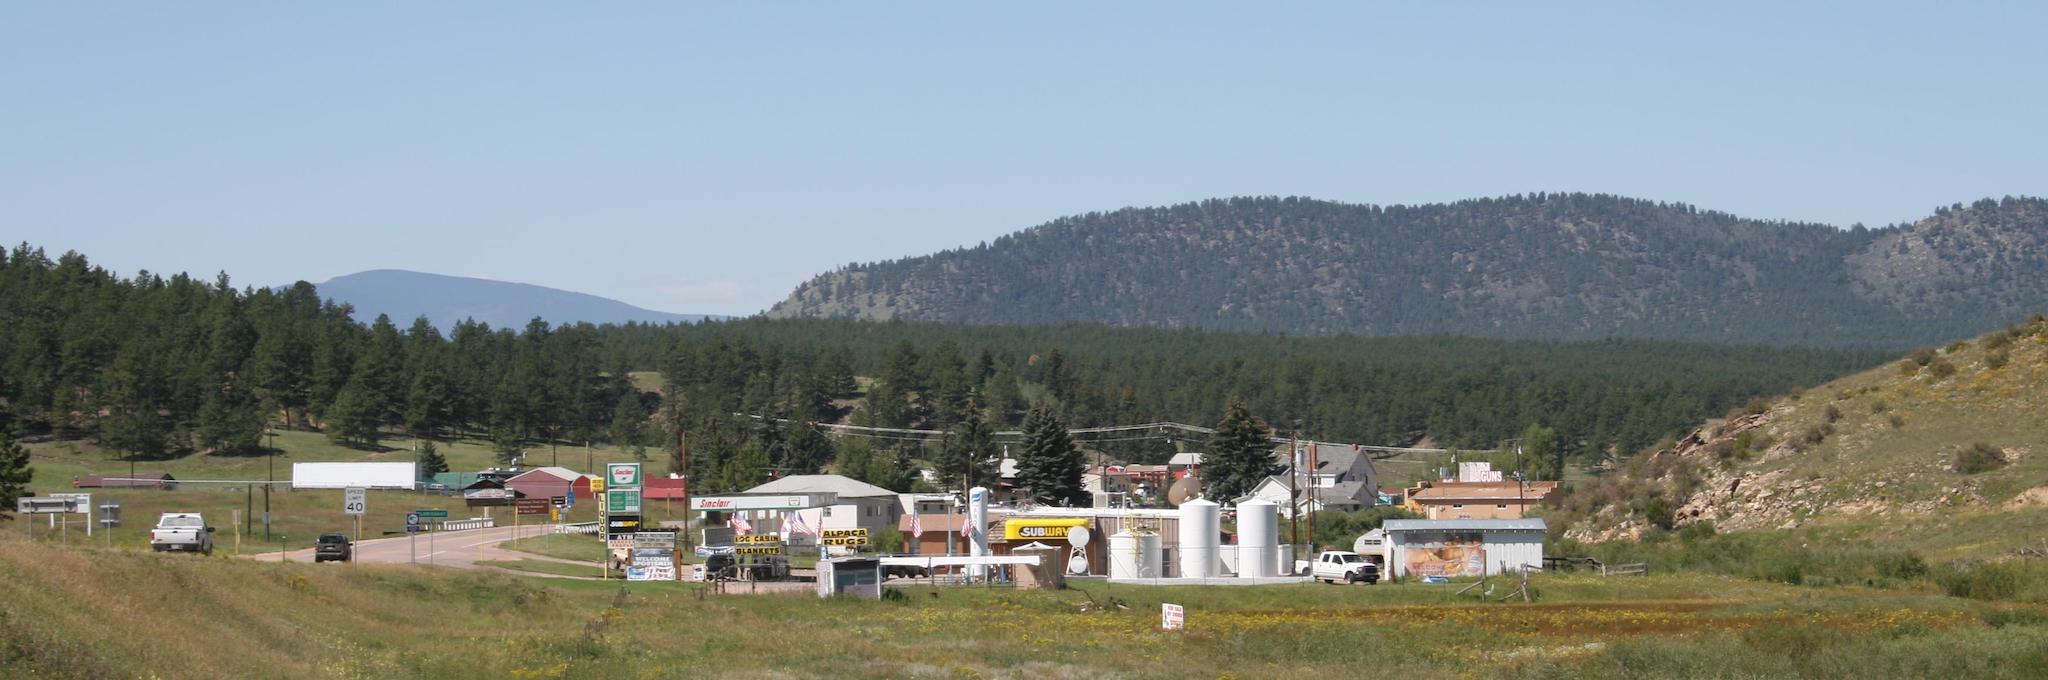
point(345, 475)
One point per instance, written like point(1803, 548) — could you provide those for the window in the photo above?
point(1502, 506)
point(1457, 505)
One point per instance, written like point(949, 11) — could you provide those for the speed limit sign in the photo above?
point(355, 500)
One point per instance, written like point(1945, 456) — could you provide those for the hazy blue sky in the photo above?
point(708, 159)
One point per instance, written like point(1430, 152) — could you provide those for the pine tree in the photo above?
point(628, 417)
point(380, 373)
point(231, 421)
point(431, 461)
point(1240, 455)
point(745, 470)
point(1541, 457)
point(352, 418)
point(805, 450)
point(427, 404)
point(1050, 466)
point(968, 453)
point(15, 473)
point(506, 446)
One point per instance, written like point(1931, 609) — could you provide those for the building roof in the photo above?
point(1484, 491)
point(1189, 458)
point(1531, 524)
point(560, 473)
point(846, 487)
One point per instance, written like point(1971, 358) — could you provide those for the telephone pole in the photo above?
point(1293, 483)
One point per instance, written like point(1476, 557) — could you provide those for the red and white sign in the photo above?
point(1172, 617)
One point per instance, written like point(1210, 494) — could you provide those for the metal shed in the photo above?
point(1462, 547)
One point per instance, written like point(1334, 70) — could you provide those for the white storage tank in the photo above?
point(1200, 523)
point(1134, 555)
point(1258, 538)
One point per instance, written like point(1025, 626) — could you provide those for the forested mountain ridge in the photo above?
point(1546, 266)
point(445, 300)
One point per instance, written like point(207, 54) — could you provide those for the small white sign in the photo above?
point(1171, 617)
point(355, 500)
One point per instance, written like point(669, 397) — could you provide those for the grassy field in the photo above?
point(296, 516)
point(76, 612)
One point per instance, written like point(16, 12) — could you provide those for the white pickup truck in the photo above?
point(181, 531)
point(1342, 565)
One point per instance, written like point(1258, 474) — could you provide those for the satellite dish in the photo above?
point(1183, 490)
point(1077, 536)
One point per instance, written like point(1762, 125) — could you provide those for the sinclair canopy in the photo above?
point(345, 475)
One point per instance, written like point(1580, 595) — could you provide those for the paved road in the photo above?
point(459, 549)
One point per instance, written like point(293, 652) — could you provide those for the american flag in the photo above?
point(793, 524)
point(966, 528)
point(739, 525)
point(916, 524)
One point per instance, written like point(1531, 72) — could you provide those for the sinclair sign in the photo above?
point(623, 475)
point(789, 502)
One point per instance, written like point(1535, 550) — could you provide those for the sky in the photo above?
point(708, 158)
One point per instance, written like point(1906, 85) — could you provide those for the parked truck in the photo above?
point(1333, 566)
point(181, 532)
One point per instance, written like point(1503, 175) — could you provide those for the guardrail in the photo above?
point(590, 528)
point(461, 524)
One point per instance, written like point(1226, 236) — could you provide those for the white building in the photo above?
point(861, 505)
point(1462, 547)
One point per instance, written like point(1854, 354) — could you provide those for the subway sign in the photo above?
point(1052, 528)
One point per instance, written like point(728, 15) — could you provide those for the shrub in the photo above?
point(1997, 360)
point(1958, 346)
point(1992, 581)
point(1879, 406)
point(1832, 414)
point(1907, 368)
point(1921, 357)
point(1659, 513)
point(1896, 421)
point(1941, 368)
point(1979, 457)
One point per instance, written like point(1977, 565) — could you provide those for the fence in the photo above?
point(1639, 568)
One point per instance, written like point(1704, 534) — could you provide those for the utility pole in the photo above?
point(1314, 493)
point(1293, 483)
point(682, 456)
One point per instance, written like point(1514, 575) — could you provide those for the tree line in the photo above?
point(154, 367)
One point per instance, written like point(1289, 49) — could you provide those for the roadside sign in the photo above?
point(622, 475)
point(619, 501)
point(412, 522)
point(354, 500)
point(431, 512)
point(845, 537)
point(531, 506)
point(1172, 617)
point(559, 501)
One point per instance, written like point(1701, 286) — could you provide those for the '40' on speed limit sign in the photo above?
point(355, 500)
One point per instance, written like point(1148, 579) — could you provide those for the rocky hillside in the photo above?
point(1549, 266)
point(1949, 446)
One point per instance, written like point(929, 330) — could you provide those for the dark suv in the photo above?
point(334, 547)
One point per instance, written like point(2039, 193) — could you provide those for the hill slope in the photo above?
point(1884, 455)
point(407, 295)
point(1549, 266)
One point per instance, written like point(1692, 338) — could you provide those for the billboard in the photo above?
point(345, 475)
point(1445, 555)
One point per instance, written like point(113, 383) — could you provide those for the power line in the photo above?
point(1379, 452)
